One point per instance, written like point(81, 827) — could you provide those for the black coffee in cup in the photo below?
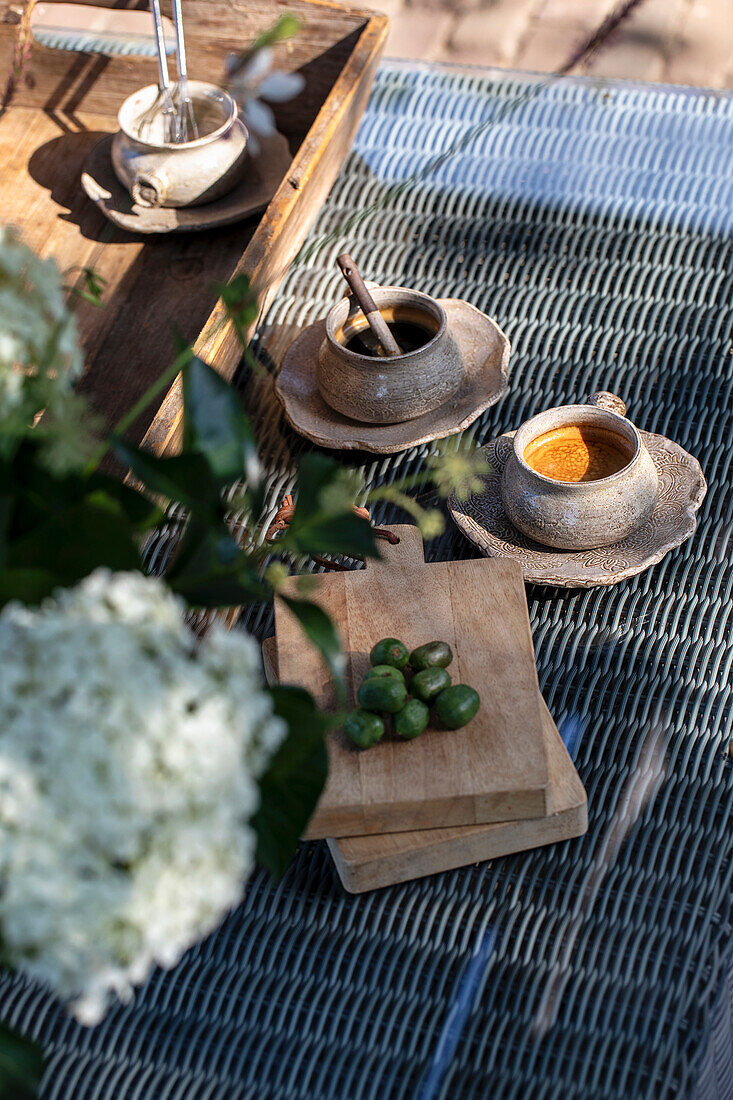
point(412, 329)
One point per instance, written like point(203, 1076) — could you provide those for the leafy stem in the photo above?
point(161, 383)
point(429, 520)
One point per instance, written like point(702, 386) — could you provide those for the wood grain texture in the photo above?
point(67, 101)
point(370, 862)
point(495, 769)
point(293, 210)
point(73, 83)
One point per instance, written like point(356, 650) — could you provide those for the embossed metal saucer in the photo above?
point(485, 354)
point(262, 179)
point(682, 488)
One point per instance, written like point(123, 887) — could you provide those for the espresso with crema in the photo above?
point(578, 452)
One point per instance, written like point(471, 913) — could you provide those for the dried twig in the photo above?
point(285, 513)
point(600, 36)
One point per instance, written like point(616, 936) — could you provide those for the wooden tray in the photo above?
point(369, 862)
point(495, 769)
point(63, 105)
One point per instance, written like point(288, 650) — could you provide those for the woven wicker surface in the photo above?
point(593, 222)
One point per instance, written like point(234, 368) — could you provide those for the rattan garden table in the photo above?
point(593, 221)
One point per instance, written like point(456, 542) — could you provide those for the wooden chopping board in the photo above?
point(496, 768)
point(370, 862)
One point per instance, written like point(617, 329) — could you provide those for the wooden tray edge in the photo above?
point(507, 838)
point(218, 343)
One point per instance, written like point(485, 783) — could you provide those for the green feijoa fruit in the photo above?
point(431, 655)
point(428, 683)
point(384, 672)
point(390, 651)
point(382, 694)
point(457, 705)
point(364, 729)
point(411, 720)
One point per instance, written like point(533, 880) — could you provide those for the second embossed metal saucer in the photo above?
point(682, 489)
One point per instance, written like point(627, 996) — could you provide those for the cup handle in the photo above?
point(148, 190)
point(608, 401)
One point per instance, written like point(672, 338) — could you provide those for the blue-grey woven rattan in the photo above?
point(593, 221)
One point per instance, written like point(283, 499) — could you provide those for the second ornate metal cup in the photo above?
point(579, 476)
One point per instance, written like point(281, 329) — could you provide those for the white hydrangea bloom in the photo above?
point(251, 82)
point(129, 760)
point(40, 356)
point(36, 329)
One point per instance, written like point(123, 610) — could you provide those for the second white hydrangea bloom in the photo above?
point(129, 760)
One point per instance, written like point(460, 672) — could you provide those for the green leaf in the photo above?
point(210, 570)
point(30, 495)
point(142, 512)
point(186, 478)
point(286, 27)
point(240, 302)
point(73, 542)
point(292, 785)
point(181, 346)
point(93, 286)
point(214, 424)
point(319, 628)
point(217, 591)
point(324, 521)
point(346, 534)
point(6, 511)
point(204, 549)
point(38, 494)
point(316, 473)
point(30, 586)
point(21, 1066)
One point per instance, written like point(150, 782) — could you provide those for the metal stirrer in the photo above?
point(164, 100)
point(184, 108)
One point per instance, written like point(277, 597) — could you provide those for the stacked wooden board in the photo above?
point(503, 783)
